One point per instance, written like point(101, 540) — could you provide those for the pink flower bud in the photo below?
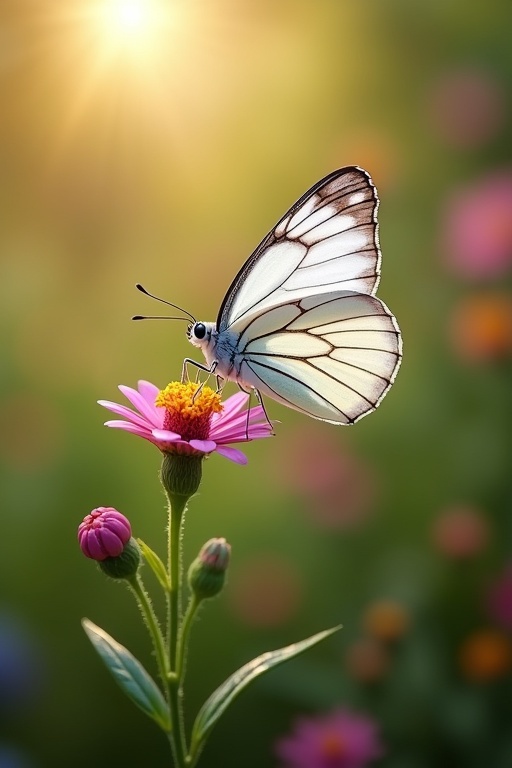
point(215, 554)
point(104, 533)
point(207, 573)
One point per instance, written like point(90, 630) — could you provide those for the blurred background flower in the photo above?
point(461, 531)
point(481, 327)
point(158, 141)
point(486, 655)
point(466, 107)
point(477, 228)
point(499, 599)
point(340, 739)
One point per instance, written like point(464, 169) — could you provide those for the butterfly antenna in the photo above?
point(163, 301)
point(158, 317)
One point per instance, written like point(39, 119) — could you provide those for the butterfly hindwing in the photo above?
point(333, 357)
point(327, 241)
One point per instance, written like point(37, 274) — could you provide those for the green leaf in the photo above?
point(130, 675)
point(220, 699)
point(155, 564)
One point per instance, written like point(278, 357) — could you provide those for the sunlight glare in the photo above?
point(134, 22)
point(130, 14)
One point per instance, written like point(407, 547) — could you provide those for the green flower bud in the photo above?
point(207, 574)
point(124, 565)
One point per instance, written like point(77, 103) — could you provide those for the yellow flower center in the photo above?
point(188, 412)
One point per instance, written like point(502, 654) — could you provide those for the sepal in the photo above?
point(155, 564)
point(125, 565)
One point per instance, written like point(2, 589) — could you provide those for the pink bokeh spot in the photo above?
point(466, 108)
point(339, 739)
point(461, 532)
point(336, 488)
point(477, 229)
point(499, 599)
point(234, 424)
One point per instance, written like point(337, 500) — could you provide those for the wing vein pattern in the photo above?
point(310, 331)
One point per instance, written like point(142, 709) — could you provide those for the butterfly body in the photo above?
point(219, 349)
point(300, 322)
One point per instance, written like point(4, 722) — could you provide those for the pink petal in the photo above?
point(142, 405)
point(148, 391)
point(92, 546)
point(236, 426)
point(232, 454)
point(165, 435)
point(111, 543)
point(129, 427)
point(120, 528)
point(127, 413)
point(205, 446)
point(233, 404)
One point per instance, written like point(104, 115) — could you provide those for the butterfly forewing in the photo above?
point(327, 241)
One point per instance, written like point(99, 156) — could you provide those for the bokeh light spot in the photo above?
point(460, 531)
point(266, 592)
point(481, 327)
point(485, 655)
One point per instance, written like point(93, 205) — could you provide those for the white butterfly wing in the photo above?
point(312, 334)
point(333, 357)
point(327, 241)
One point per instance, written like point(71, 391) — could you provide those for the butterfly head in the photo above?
point(200, 334)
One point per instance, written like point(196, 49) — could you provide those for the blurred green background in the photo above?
point(158, 143)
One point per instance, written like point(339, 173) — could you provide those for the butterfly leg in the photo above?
point(259, 398)
point(199, 366)
point(248, 410)
point(208, 369)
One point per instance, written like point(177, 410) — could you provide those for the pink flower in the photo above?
point(104, 533)
point(341, 739)
point(478, 228)
point(185, 419)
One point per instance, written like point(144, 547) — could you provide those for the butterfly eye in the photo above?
point(199, 330)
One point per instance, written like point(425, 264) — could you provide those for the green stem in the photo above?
point(177, 508)
point(188, 620)
point(152, 624)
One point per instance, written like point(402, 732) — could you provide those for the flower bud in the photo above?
point(104, 533)
point(207, 573)
point(106, 536)
point(124, 565)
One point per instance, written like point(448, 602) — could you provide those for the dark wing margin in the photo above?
point(337, 190)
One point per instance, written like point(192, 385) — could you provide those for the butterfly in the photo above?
point(300, 322)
